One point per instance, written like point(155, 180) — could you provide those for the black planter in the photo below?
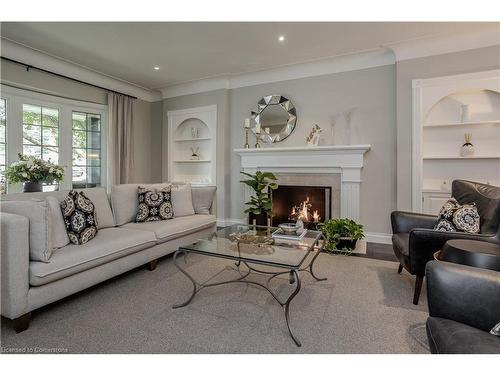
point(32, 187)
point(346, 243)
point(260, 219)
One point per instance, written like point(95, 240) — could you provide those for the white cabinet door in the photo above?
point(432, 202)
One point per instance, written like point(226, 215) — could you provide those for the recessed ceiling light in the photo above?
point(156, 68)
point(281, 38)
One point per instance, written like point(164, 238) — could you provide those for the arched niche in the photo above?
point(483, 105)
point(184, 129)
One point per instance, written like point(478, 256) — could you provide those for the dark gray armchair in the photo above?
point(464, 305)
point(415, 241)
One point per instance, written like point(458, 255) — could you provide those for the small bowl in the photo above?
point(288, 228)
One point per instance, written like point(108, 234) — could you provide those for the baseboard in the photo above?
point(383, 238)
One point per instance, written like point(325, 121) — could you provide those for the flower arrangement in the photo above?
point(31, 169)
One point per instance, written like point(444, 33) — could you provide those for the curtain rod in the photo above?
point(28, 67)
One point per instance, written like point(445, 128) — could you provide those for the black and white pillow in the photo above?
point(79, 217)
point(154, 205)
point(454, 217)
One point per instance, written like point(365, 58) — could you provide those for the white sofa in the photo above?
point(120, 245)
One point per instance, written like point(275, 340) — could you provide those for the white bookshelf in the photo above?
point(438, 135)
point(181, 167)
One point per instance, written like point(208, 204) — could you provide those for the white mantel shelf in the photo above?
point(345, 160)
point(335, 148)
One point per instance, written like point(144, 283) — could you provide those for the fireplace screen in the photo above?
point(311, 204)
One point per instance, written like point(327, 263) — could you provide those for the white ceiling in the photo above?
point(191, 51)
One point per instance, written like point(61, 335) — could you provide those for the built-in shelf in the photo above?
point(192, 161)
point(192, 139)
point(461, 158)
point(455, 124)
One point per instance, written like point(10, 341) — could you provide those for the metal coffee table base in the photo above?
point(293, 275)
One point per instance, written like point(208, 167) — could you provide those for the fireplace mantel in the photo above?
point(345, 160)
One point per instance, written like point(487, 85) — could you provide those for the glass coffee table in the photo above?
point(253, 249)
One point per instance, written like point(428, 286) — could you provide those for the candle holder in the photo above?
point(246, 145)
point(257, 136)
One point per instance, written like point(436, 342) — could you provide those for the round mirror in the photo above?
point(276, 117)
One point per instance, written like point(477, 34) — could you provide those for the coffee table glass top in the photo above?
point(282, 253)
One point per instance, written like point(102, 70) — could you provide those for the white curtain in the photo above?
point(120, 139)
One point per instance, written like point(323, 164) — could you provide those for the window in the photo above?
point(67, 132)
point(86, 149)
point(3, 148)
point(41, 132)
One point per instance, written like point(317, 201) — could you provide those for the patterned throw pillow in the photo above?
point(79, 217)
point(454, 217)
point(154, 205)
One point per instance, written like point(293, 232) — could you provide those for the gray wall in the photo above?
point(318, 100)
point(147, 116)
point(321, 100)
point(219, 98)
point(433, 66)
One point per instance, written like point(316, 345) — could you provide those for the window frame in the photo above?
point(15, 98)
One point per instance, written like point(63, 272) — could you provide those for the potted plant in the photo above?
point(341, 234)
point(33, 172)
point(260, 206)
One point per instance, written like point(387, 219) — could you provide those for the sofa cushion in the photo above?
point(177, 227)
point(203, 197)
point(454, 217)
point(450, 337)
point(154, 204)
point(58, 231)
point(402, 242)
point(108, 245)
point(80, 217)
point(124, 203)
point(182, 200)
point(40, 228)
point(99, 197)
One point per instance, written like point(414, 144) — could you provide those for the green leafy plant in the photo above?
point(31, 169)
point(336, 230)
point(260, 182)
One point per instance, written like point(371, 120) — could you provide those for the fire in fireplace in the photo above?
point(311, 204)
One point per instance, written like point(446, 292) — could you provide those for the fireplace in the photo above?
point(311, 204)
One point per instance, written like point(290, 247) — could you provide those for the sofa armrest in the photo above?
point(425, 242)
point(404, 222)
point(464, 294)
point(14, 264)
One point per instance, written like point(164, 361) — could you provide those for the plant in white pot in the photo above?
point(33, 172)
point(341, 235)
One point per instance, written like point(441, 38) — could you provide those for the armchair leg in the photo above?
point(418, 287)
point(22, 323)
point(400, 268)
point(152, 265)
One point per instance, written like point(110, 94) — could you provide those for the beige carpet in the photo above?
point(363, 307)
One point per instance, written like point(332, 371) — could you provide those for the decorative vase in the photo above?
point(32, 187)
point(467, 148)
point(465, 113)
point(260, 219)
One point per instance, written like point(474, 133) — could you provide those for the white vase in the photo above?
point(465, 113)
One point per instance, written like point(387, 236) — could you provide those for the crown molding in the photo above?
point(43, 60)
point(344, 63)
point(489, 36)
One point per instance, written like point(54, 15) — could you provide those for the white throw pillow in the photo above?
point(182, 200)
point(203, 197)
point(58, 231)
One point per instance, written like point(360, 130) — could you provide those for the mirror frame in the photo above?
point(287, 106)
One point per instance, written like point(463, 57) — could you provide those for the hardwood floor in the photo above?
point(379, 251)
